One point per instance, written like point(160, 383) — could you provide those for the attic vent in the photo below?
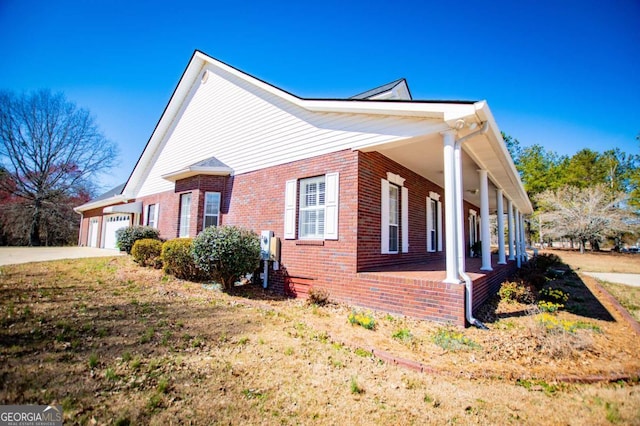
point(205, 77)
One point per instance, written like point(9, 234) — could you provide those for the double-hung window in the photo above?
point(394, 223)
point(434, 223)
point(315, 202)
point(211, 209)
point(152, 215)
point(185, 215)
point(394, 208)
point(312, 208)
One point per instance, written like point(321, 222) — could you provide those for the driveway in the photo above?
point(14, 255)
point(627, 279)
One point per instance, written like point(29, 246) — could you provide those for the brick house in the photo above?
point(378, 198)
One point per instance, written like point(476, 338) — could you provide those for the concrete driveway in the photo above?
point(617, 278)
point(15, 255)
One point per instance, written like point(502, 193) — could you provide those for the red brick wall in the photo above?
point(255, 200)
point(373, 167)
point(84, 226)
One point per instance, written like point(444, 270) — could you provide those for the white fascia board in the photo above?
point(176, 103)
point(442, 111)
point(195, 170)
point(494, 138)
point(116, 199)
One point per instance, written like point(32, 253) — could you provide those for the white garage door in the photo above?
point(93, 232)
point(113, 223)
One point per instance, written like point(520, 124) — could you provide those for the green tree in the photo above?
point(539, 169)
point(584, 169)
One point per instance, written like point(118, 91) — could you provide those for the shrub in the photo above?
point(178, 260)
point(318, 296)
point(365, 320)
point(226, 253)
point(514, 291)
point(126, 237)
point(545, 261)
point(146, 252)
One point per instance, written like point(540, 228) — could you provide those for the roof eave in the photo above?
point(116, 199)
point(197, 170)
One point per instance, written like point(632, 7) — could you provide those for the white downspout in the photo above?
point(460, 225)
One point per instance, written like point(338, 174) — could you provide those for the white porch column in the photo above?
point(510, 233)
point(485, 231)
point(449, 137)
point(523, 241)
point(518, 247)
point(500, 217)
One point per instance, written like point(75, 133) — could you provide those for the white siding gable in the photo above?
point(248, 128)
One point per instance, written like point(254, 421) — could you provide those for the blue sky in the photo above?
point(564, 73)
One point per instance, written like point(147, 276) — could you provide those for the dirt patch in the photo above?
point(116, 343)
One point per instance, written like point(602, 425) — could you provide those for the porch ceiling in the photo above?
point(425, 155)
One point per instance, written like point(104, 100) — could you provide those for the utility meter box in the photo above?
point(265, 245)
point(269, 247)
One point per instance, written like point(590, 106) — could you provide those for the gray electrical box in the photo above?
point(265, 245)
point(269, 247)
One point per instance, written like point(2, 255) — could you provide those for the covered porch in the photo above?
point(465, 155)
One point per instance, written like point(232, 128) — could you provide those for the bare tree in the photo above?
point(49, 150)
point(584, 214)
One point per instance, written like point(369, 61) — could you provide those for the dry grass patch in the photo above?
point(629, 297)
point(627, 263)
point(116, 343)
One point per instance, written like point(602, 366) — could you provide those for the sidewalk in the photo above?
point(15, 255)
point(617, 278)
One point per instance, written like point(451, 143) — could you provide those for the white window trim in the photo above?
point(473, 230)
point(434, 197)
point(155, 215)
point(317, 180)
point(204, 213)
point(331, 208)
point(384, 216)
point(184, 227)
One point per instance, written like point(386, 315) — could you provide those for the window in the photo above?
point(394, 210)
point(211, 209)
point(152, 215)
point(185, 214)
point(434, 223)
point(394, 230)
point(312, 204)
point(473, 228)
point(315, 201)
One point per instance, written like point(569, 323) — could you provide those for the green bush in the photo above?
point(126, 237)
point(178, 260)
point(227, 253)
point(146, 252)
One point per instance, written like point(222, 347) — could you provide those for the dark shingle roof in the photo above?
point(377, 90)
point(209, 162)
point(110, 193)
